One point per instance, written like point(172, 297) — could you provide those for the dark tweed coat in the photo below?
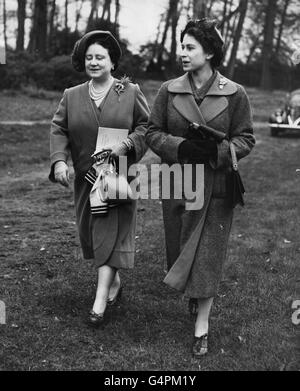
point(196, 240)
point(74, 129)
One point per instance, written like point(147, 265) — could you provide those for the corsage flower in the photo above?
point(121, 85)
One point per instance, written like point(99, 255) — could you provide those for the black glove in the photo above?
point(197, 151)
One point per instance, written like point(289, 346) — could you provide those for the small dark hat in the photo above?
point(80, 47)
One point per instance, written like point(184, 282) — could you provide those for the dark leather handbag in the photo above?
point(234, 186)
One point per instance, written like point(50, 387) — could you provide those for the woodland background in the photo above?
point(260, 39)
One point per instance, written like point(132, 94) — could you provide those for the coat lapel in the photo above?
point(110, 104)
point(184, 101)
point(215, 101)
point(110, 101)
point(188, 108)
point(213, 104)
point(89, 104)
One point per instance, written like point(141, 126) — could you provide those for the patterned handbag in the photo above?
point(113, 185)
point(109, 188)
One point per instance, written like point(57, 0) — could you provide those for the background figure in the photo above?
point(107, 102)
point(197, 239)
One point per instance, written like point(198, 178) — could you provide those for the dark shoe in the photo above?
point(116, 298)
point(200, 346)
point(193, 306)
point(95, 320)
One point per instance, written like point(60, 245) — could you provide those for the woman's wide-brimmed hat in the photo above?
point(81, 46)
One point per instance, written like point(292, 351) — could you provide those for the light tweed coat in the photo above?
point(108, 239)
point(196, 240)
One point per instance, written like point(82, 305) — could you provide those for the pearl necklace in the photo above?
point(98, 95)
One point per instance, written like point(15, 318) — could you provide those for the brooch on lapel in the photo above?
point(222, 82)
point(121, 85)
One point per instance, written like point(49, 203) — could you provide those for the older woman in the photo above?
point(101, 102)
point(196, 240)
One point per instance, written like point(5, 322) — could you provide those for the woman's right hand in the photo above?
point(197, 151)
point(61, 173)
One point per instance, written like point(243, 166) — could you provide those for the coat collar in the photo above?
point(212, 105)
point(220, 87)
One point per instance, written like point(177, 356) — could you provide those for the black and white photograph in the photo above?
point(150, 188)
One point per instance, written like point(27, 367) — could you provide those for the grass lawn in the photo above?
point(48, 289)
point(33, 104)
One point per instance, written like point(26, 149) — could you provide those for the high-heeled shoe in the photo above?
point(116, 298)
point(200, 346)
point(193, 306)
point(95, 320)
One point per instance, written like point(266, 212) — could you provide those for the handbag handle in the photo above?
point(233, 156)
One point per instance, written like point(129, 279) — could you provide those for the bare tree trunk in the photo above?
point(224, 15)
point(174, 22)
point(93, 14)
point(38, 34)
point(252, 49)
point(106, 10)
point(199, 9)
point(283, 16)
point(227, 17)
point(210, 7)
point(4, 24)
point(225, 24)
point(117, 14)
point(51, 24)
point(109, 11)
point(164, 37)
point(156, 42)
point(66, 14)
point(66, 23)
point(78, 13)
point(21, 24)
point(266, 82)
point(237, 37)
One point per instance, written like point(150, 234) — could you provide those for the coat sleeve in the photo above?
point(59, 135)
point(140, 119)
point(158, 138)
point(240, 131)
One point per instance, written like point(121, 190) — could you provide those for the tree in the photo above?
point(78, 13)
point(282, 22)
point(117, 14)
point(253, 47)
point(66, 14)
point(93, 14)
point(164, 37)
point(21, 24)
point(266, 82)
point(66, 22)
point(38, 34)
point(174, 21)
point(106, 10)
point(4, 24)
point(51, 25)
point(236, 39)
point(199, 9)
point(227, 25)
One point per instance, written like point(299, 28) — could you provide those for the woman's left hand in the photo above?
point(120, 149)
